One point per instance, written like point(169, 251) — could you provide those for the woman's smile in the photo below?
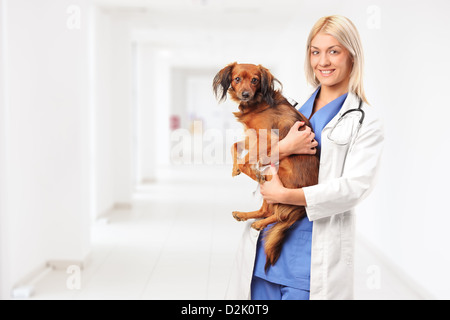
point(327, 72)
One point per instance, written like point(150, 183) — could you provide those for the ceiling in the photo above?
point(205, 30)
point(231, 15)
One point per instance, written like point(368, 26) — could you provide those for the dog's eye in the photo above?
point(237, 79)
point(254, 81)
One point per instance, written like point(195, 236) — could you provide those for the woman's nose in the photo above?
point(324, 61)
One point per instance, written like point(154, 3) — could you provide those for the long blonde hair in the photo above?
point(344, 31)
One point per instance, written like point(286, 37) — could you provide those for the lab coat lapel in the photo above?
point(351, 102)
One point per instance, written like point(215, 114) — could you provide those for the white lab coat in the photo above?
point(346, 176)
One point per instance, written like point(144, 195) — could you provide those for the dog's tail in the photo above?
point(274, 238)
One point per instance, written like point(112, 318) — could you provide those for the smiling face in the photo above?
point(331, 61)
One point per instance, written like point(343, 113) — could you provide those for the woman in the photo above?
point(316, 261)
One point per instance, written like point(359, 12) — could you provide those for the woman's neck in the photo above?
point(328, 94)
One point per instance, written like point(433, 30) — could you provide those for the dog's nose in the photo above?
point(245, 95)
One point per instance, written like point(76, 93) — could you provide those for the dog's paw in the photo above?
point(237, 217)
point(236, 172)
point(258, 225)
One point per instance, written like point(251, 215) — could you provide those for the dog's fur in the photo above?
point(263, 107)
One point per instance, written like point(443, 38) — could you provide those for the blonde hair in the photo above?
point(344, 31)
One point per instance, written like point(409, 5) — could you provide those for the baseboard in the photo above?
point(65, 264)
point(103, 218)
point(149, 180)
point(24, 289)
point(122, 206)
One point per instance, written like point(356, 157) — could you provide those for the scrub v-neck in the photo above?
point(322, 116)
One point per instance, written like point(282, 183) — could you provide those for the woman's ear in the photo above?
point(267, 85)
point(222, 82)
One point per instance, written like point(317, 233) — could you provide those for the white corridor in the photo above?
point(178, 242)
point(105, 104)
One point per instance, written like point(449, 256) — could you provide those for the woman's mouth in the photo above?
point(327, 73)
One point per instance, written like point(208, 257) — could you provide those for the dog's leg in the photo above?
point(261, 224)
point(235, 152)
point(242, 165)
point(249, 170)
point(265, 211)
point(238, 162)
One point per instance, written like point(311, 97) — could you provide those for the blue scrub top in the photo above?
point(293, 268)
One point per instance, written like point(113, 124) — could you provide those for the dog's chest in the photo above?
point(256, 120)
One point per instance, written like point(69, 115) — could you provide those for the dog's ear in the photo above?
point(268, 85)
point(222, 82)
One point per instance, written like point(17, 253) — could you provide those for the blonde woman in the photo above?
point(316, 261)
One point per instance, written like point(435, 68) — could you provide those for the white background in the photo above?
point(85, 109)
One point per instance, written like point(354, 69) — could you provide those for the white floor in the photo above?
point(178, 242)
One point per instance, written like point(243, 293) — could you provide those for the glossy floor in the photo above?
point(178, 242)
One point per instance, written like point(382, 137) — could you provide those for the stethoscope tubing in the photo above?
point(363, 114)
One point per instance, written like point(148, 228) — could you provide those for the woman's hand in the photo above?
point(273, 190)
point(298, 142)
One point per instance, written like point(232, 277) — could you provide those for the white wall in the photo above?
point(47, 149)
point(114, 111)
point(121, 110)
point(4, 270)
point(407, 216)
point(103, 47)
point(146, 132)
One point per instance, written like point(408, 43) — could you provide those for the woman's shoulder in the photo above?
point(373, 118)
point(372, 112)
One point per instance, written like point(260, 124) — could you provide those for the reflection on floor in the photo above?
point(178, 242)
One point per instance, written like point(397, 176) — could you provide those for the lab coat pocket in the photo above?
point(302, 256)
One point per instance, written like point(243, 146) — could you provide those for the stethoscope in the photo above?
point(341, 118)
point(363, 114)
point(359, 109)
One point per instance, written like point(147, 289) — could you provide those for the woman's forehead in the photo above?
point(324, 41)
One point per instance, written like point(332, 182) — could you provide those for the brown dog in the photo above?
point(263, 109)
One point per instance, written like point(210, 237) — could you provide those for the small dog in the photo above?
point(263, 109)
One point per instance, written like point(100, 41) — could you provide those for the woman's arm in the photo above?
point(340, 194)
point(273, 191)
point(297, 142)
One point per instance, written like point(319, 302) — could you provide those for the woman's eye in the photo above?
point(254, 81)
point(333, 52)
point(314, 53)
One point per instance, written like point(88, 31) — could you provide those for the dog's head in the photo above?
point(246, 83)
